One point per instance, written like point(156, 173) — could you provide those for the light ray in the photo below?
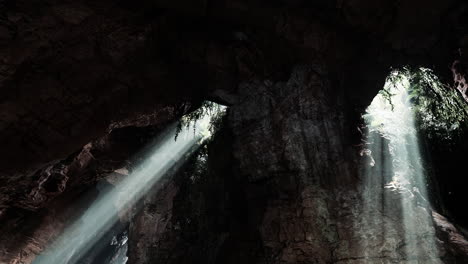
point(164, 154)
point(390, 117)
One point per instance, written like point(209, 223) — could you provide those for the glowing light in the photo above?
point(399, 175)
point(164, 154)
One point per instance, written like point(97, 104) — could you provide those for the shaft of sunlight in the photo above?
point(164, 154)
point(391, 118)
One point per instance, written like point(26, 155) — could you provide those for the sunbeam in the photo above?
point(163, 155)
point(395, 183)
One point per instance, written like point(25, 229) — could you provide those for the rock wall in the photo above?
point(284, 183)
point(35, 215)
point(73, 71)
point(290, 142)
point(294, 143)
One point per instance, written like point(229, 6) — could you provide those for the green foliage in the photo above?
point(214, 110)
point(441, 112)
point(391, 83)
point(200, 164)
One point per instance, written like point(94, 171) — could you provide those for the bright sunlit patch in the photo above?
point(390, 120)
point(164, 154)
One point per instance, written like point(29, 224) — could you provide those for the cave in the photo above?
point(222, 132)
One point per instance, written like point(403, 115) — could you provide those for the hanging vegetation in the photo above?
point(441, 112)
point(214, 110)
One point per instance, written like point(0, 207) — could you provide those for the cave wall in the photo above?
point(264, 195)
point(202, 209)
point(61, 192)
point(71, 72)
point(284, 184)
point(292, 144)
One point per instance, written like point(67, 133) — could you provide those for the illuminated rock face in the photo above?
point(320, 201)
point(284, 186)
point(72, 72)
point(291, 139)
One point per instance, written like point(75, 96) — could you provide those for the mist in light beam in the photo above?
point(163, 154)
point(395, 174)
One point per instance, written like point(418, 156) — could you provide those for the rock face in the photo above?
point(37, 217)
point(292, 139)
point(284, 186)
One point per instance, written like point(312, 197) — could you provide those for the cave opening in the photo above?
point(99, 235)
point(413, 114)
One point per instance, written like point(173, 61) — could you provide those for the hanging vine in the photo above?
point(440, 110)
point(216, 112)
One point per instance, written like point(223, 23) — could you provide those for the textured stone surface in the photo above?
point(296, 174)
point(35, 217)
point(292, 137)
point(73, 71)
point(286, 135)
point(455, 243)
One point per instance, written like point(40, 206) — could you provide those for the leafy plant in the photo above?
point(441, 112)
point(214, 110)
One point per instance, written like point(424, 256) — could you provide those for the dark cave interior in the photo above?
point(87, 87)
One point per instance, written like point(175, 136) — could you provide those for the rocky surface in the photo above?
point(73, 72)
point(35, 217)
point(291, 137)
point(269, 192)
